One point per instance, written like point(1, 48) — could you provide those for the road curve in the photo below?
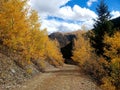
point(66, 78)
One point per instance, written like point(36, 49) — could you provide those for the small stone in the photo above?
point(12, 70)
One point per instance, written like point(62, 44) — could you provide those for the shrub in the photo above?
point(112, 50)
point(82, 49)
point(53, 53)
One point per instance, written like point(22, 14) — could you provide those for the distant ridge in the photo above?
point(63, 38)
point(116, 22)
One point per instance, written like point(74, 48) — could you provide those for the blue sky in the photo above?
point(112, 4)
point(70, 15)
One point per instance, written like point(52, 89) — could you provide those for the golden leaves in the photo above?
point(82, 48)
point(53, 52)
point(113, 51)
point(20, 31)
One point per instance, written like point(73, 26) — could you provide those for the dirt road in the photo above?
point(66, 78)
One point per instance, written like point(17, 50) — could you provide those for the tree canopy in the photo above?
point(102, 25)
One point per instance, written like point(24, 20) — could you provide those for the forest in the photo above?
point(96, 51)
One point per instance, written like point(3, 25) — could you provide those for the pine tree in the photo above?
point(102, 25)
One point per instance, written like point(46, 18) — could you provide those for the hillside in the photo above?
point(116, 22)
point(12, 72)
point(66, 44)
point(63, 38)
point(31, 59)
point(14, 76)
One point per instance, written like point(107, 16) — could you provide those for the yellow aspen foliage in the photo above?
point(112, 51)
point(13, 23)
point(107, 85)
point(82, 49)
point(20, 31)
point(114, 42)
point(35, 45)
point(34, 20)
point(53, 52)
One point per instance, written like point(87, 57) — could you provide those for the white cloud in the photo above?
point(66, 12)
point(47, 7)
point(83, 14)
point(76, 13)
point(54, 25)
point(89, 3)
point(63, 26)
point(115, 14)
point(88, 24)
point(58, 8)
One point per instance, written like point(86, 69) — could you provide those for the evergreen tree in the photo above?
point(103, 25)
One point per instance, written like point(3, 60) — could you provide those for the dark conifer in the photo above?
point(102, 25)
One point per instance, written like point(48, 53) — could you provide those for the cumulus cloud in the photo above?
point(55, 25)
point(88, 24)
point(58, 8)
point(47, 7)
point(64, 26)
point(89, 3)
point(76, 13)
point(83, 13)
point(115, 14)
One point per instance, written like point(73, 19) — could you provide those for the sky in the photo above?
point(70, 15)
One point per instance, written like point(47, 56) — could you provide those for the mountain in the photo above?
point(63, 38)
point(66, 44)
point(60, 38)
point(116, 22)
